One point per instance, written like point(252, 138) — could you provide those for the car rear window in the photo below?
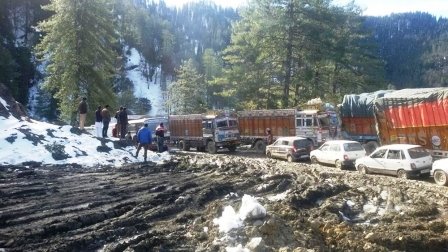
point(418, 152)
point(301, 143)
point(353, 147)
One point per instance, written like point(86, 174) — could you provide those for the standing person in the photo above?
point(144, 139)
point(269, 137)
point(160, 133)
point(123, 122)
point(118, 125)
point(82, 109)
point(98, 122)
point(105, 113)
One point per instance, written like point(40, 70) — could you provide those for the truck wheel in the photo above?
point(260, 146)
point(232, 148)
point(184, 146)
point(370, 147)
point(441, 178)
point(402, 174)
point(211, 147)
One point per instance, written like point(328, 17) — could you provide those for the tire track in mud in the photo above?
point(148, 207)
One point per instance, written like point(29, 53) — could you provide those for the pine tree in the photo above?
point(188, 94)
point(77, 47)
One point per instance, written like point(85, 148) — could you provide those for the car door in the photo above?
point(321, 154)
point(283, 148)
point(274, 148)
point(393, 161)
point(333, 153)
point(376, 161)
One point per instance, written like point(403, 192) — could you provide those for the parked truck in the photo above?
point(314, 123)
point(205, 131)
point(414, 116)
point(358, 120)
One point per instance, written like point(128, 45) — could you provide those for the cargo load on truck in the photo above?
point(358, 120)
point(205, 131)
point(414, 116)
point(253, 124)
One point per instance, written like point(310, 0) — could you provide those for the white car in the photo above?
point(440, 171)
point(401, 160)
point(341, 153)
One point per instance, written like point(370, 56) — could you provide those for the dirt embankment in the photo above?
point(171, 207)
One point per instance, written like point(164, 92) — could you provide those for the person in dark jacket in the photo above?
point(123, 115)
point(82, 109)
point(105, 113)
point(144, 138)
point(98, 122)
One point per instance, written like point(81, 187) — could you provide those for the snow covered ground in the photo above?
point(23, 141)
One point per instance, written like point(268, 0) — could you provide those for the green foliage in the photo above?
point(435, 59)
point(187, 95)
point(284, 52)
point(78, 46)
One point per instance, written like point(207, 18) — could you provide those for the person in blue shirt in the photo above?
point(144, 138)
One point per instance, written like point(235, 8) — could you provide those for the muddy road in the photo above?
point(172, 207)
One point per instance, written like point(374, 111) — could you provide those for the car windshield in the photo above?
point(418, 152)
point(353, 147)
point(301, 143)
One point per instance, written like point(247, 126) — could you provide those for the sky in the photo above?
point(370, 7)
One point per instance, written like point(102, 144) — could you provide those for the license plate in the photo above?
point(424, 171)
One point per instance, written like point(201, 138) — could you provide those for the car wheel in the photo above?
point(211, 147)
point(338, 164)
point(441, 178)
point(314, 160)
point(268, 154)
point(402, 174)
point(290, 158)
point(363, 169)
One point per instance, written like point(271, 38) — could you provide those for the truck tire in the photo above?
point(232, 148)
point(260, 146)
point(441, 178)
point(211, 147)
point(184, 146)
point(370, 147)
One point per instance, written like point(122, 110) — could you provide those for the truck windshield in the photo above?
point(226, 123)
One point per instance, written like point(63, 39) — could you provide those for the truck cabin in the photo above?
point(317, 125)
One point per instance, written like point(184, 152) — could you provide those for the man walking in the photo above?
point(105, 113)
point(144, 138)
point(82, 109)
point(98, 122)
point(160, 133)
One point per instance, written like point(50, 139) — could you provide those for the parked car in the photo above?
point(402, 160)
point(341, 153)
point(290, 148)
point(440, 171)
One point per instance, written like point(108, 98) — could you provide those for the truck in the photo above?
point(316, 124)
point(253, 124)
point(358, 120)
point(414, 116)
point(205, 132)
